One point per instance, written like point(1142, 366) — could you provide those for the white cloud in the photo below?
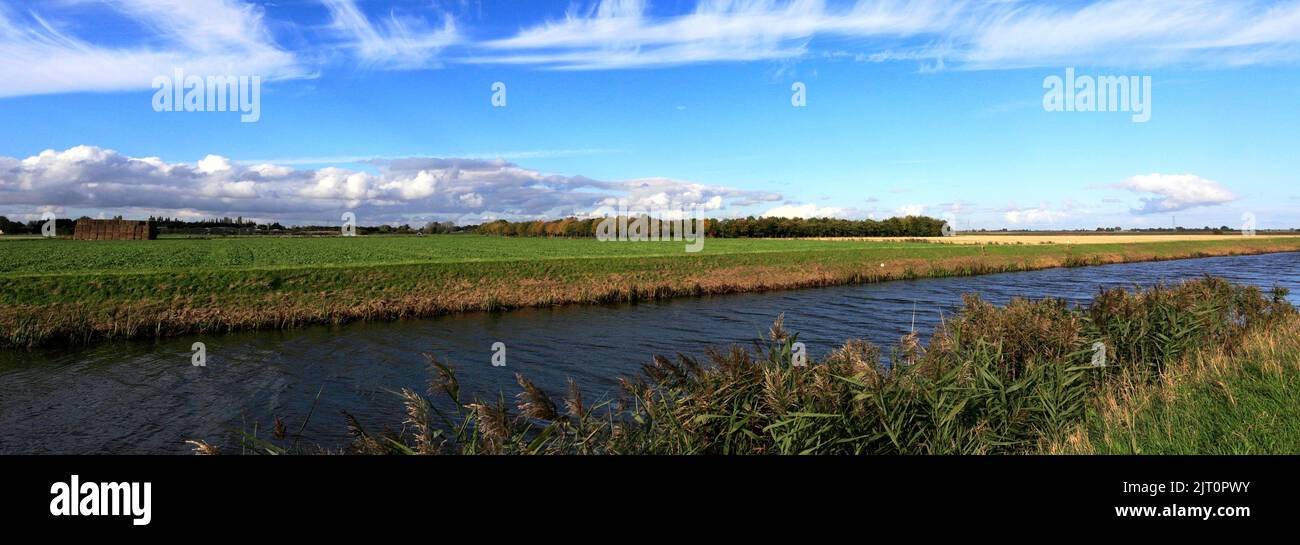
point(229, 190)
point(89, 178)
point(213, 164)
point(910, 210)
point(332, 183)
point(614, 34)
point(666, 193)
point(1118, 33)
point(471, 199)
point(1042, 214)
point(216, 37)
point(622, 34)
point(804, 211)
point(271, 171)
point(396, 42)
point(43, 50)
point(1174, 192)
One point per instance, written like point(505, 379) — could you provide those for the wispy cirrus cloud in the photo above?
point(39, 55)
point(615, 34)
point(47, 47)
point(394, 42)
point(1118, 32)
point(988, 34)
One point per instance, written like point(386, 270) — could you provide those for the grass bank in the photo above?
point(64, 291)
point(1240, 401)
point(1024, 378)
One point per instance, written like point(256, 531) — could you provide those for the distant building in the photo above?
point(88, 229)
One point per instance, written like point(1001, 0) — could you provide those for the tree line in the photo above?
point(33, 227)
point(750, 227)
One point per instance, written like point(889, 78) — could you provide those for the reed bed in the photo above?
point(1022, 378)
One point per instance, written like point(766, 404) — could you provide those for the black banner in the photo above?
point(308, 495)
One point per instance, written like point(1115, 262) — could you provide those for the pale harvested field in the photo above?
point(985, 238)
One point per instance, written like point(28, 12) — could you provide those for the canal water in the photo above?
point(146, 397)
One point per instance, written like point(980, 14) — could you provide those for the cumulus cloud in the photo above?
point(1174, 192)
point(1041, 214)
point(93, 178)
point(38, 55)
point(673, 199)
point(910, 210)
point(612, 34)
point(804, 211)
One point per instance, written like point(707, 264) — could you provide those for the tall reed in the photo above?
point(992, 380)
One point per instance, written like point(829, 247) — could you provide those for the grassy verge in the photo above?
point(80, 291)
point(1246, 401)
point(1024, 378)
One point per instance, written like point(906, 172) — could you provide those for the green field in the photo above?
point(62, 256)
point(43, 257)
point(81, 291)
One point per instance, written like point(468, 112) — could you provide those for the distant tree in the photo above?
point(749, 227)
point(436, 228)
point(11, 227)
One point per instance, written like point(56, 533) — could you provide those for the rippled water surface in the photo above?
point(145, 397)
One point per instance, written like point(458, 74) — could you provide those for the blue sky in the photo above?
point(385, 108)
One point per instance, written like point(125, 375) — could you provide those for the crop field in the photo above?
point(55, 291)
point(62, 256)
point(38, 256)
